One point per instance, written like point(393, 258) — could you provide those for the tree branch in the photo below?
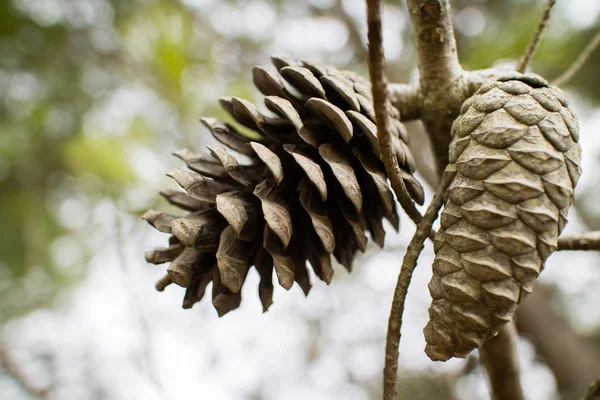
point(580, 241)
point(405, 98)
point(434, 40)
point(535, 39)
point(382, 118)
point(579, 62)
point(499, 357)
point(12, 369)
point(442, 86)
point(390, 370)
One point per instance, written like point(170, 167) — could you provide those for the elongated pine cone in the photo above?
point(514, 162)
point(313, 185)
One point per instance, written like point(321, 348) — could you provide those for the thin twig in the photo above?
point(580, 241)
point(390, 370)
point(585, 55)
point(380, 100)
point(537, 36)
point(499, 357)
point(11, 368)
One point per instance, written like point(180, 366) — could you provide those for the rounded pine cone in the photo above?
point(314, 184)
point(514, 163)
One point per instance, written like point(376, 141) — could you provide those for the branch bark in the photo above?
point(437, 59)
point(442, 83)
point(405, 98)
point(382, 118)
point(409, 263)
point(499, 357)
point(580, 241)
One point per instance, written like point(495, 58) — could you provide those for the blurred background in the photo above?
point(96, 94)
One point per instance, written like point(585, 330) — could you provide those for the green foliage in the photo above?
point(101, 157)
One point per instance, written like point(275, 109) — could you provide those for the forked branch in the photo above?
point(499, 357)
point(535, 39)
point(390, 370)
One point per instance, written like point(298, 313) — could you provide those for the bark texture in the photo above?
point(442, 83)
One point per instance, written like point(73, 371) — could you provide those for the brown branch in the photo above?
point(405, 98)
point(580, 241)
point(499, 357)
point(12, 369)
point(382, 117)
point(442, 86)
point(390, 370)
point(585, 55)
point(537, 36)
point(434, 40)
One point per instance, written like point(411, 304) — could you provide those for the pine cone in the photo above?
point(314, 184)
point(514, 162)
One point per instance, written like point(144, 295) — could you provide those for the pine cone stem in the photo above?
point(390, 370)
point(499, 357)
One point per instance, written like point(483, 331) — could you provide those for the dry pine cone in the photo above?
point(314, 184)
point(514, 162)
